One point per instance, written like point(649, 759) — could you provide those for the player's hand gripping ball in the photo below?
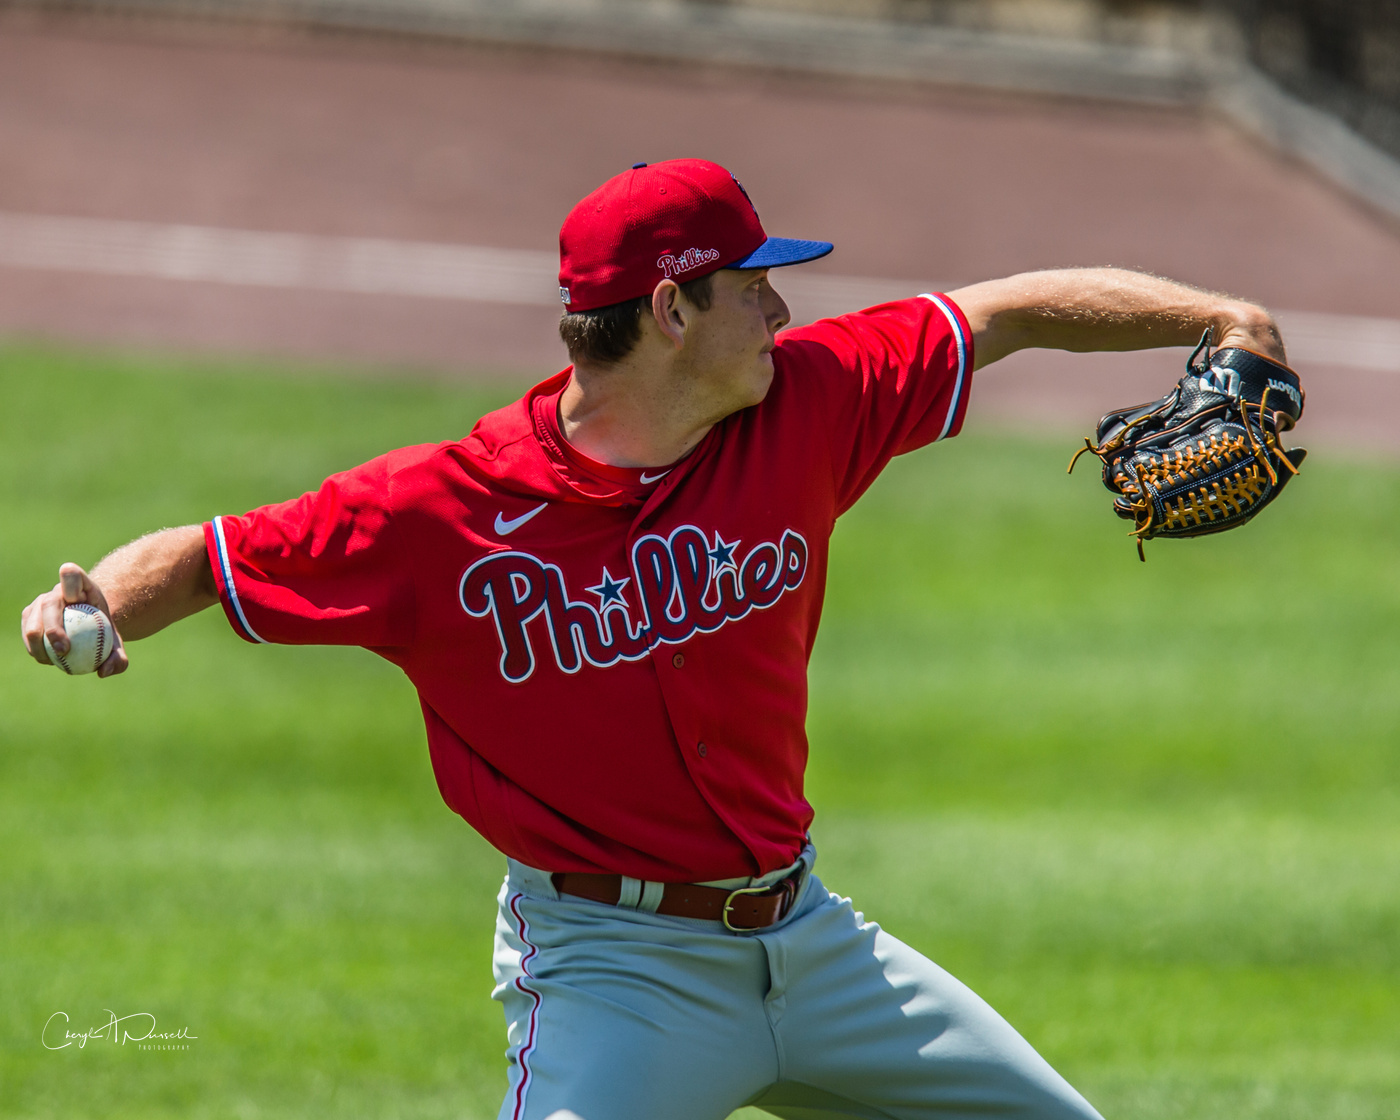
point(91, 639)
point(1207, 456)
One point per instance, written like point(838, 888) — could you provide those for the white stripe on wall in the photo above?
point(1341, 340)
point(279, 260)
point(476, 273)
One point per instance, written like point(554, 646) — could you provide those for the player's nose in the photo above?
point(775, 310)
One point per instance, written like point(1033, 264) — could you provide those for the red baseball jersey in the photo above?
point(612, 663)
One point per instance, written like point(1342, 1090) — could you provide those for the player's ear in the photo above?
point(670, 311)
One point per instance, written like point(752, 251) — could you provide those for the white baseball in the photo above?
point(91, 637)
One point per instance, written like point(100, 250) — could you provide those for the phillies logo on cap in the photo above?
point(681, 220)
point(691, 258)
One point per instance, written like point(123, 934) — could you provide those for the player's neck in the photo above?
point(632, 415)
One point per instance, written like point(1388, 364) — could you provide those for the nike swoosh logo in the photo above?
point(505, 528)
point(648, 479)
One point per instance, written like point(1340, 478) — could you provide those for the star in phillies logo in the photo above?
point(691, 258)
point(682, 585)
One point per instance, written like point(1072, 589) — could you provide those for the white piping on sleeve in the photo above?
point(952, 318)
point(226, 569)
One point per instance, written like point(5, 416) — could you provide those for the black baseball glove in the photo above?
point(1207, 456)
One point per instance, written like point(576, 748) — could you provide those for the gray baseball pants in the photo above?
point(619, 1014)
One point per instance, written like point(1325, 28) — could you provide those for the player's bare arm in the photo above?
point(1205, 457)
point(143, 587)
point(1084, 309)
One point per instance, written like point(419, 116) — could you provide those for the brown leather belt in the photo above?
point(743, 909)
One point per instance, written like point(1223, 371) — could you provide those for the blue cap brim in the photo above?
point(777, 251)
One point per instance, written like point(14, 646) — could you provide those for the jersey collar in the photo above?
point(601, 481)
point(522, 448)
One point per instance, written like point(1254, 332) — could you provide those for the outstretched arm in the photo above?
point(1085, 309)
point(143, 587)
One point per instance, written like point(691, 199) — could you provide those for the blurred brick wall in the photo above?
point(1342, 56)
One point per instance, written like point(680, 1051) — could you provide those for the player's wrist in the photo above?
point(1249, 327)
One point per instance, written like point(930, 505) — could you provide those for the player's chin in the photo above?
point(761, 379)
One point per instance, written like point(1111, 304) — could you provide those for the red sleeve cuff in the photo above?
point(962, 339)
point(219, 560)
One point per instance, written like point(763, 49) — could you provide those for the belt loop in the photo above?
point(651, 896)
point(630, 894)
point(530, 880)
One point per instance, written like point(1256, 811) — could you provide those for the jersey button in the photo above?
point(702, 750)
point(679, 660)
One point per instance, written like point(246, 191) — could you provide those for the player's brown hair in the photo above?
point(607, 334)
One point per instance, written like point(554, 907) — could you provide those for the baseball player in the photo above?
point(606, 595)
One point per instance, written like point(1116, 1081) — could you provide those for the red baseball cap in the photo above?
point(682, 219)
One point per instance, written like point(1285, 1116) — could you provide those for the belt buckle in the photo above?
point(785, 887)
point(729, 905)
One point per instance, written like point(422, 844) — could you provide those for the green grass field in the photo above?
point(1150, 811)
